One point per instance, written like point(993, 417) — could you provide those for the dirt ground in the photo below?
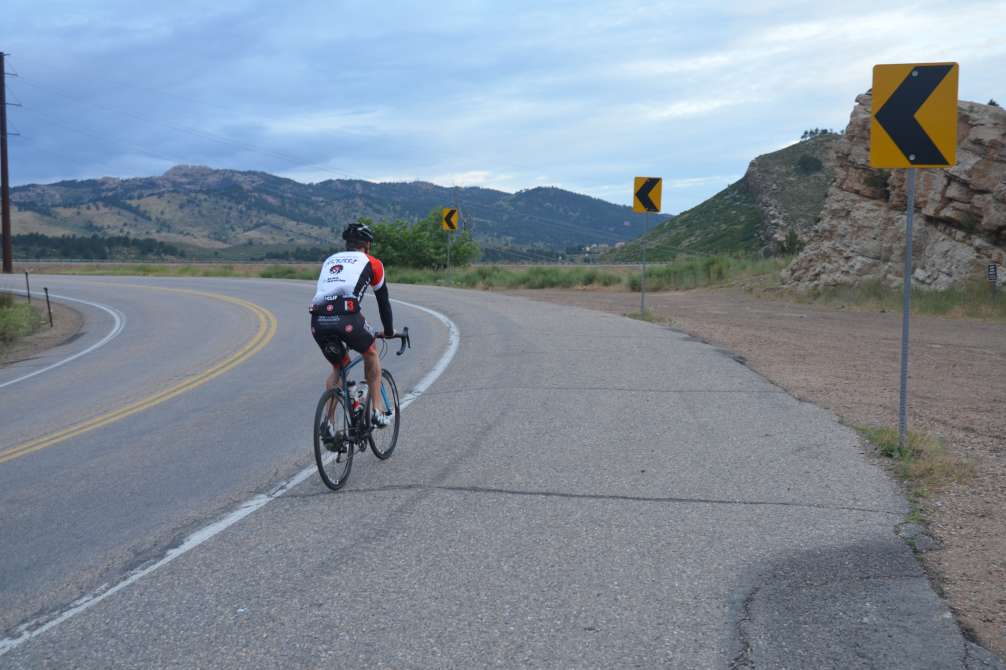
point(67, 322)
point(848, 362)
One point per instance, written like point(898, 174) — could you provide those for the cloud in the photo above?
point(689, 108)
point(581, 95)
point(321, 122)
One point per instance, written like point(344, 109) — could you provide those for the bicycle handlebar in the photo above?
point(403, 336)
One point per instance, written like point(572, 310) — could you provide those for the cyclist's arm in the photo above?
point(381, 293)
point(384, 307)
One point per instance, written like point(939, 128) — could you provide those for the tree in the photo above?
point(816, 132)
point(423, 245)
point(792, 245)
point(993, 103)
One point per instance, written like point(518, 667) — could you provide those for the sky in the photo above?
point(507, 95)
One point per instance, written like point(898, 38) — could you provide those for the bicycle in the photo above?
point(342, 420)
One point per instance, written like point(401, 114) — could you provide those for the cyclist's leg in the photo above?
point(360, 337)
point(326, 330)
point(372, 369)
point(334, 379)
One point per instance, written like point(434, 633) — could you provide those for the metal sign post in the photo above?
point(992, 272)
point(913, 125)
point(905, 313)
point(449, 222)
point(642, 277)
point(646, 192)
point(48, 305)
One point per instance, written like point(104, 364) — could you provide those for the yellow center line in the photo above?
point(267, 325)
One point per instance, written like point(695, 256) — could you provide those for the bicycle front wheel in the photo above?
point(383, 440)
point(333, 449)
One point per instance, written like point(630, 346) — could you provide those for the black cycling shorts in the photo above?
point(335, 332)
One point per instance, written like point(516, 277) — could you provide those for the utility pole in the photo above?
point(8, 264)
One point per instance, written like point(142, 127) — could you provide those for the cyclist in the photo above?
point(336, 319)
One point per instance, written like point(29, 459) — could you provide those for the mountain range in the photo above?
point(199, 208)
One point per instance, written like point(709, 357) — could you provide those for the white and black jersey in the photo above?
point(343, 281)
point(348, 274)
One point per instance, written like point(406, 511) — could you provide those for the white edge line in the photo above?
point(32, 629)
point(120, 322)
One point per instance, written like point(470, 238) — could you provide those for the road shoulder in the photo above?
point(846, 361)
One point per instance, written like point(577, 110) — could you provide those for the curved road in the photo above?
point(576, 490)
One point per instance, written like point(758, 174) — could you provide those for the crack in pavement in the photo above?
point(742, 659)
point(602, 496)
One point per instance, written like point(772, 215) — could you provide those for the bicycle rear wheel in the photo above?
point(333, 450)
point(383, 440)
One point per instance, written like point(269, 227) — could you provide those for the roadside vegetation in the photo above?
point(756, 274)
point(422, 244)
point(682, 273)
point(17, 319)
point(93, 247)
point(974, 299)
point(923, 463)
point(679, 274)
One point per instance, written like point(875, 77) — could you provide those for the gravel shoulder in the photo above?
point(847, 361)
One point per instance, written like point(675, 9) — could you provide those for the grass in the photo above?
point(287, 272)
point(682, 273)
point(497, 277)
point(974, 299)
point(17, 319)
point(154, 270)
point(923, 462)
point(648, 316)
point(274, 271)
point(699, 271)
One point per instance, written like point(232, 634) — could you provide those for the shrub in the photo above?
point(876, 179)
point(792, 245)
point(17, 319)
point(807, 165)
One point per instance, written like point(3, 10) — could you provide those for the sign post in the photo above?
point(992, 272)
point(646, 193)
point(449, 222)
point(913, 125)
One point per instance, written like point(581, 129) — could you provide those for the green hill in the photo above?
point(782, 191)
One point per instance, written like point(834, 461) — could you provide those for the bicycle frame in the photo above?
point(358, 432)
point(344, 378)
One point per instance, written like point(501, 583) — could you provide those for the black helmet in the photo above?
point(358, 232)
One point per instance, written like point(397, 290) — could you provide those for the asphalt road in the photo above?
point(576, 490)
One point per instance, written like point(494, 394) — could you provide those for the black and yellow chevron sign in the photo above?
point(646, 194)
point(450, 219)
point(914, 115)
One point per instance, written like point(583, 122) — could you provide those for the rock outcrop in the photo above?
point(789, 187)
point(960, 217)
